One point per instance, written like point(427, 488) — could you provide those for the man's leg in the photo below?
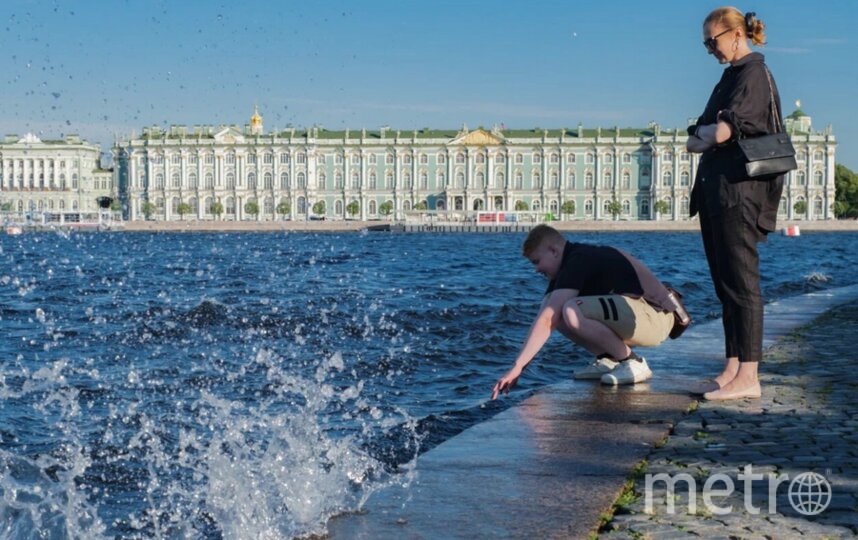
point(591, 334)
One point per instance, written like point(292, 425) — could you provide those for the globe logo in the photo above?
point(809, 493)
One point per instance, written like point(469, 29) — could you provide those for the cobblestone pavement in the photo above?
point(807, 420)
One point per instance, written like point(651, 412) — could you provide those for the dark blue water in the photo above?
point(251, 385)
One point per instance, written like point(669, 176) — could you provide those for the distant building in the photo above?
point(51, 176)
point(607, 173)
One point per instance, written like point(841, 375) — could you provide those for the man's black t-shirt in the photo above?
point(597, 270)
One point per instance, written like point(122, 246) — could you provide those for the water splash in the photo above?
point(262, 463)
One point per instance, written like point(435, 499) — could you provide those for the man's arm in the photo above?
point(548, 318)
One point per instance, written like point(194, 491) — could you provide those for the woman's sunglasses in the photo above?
point(712, 42)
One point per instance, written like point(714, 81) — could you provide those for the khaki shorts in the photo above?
point(633, 319)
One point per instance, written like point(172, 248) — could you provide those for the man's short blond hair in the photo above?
point(539, 235)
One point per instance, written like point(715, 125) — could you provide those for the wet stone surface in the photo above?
point(805, 422)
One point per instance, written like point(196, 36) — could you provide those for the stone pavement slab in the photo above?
point(550, 466)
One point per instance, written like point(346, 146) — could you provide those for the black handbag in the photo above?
point(769, 156)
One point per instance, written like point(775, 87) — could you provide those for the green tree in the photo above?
point(800, 208)
point(521, 206)
point(182, 209)
point(385, 208)
point(6, 207)
point(147, 209)
point(615, 208)
point(420, 206)
point(284, 208)
point(661, 207)
point(568, 207)
point(319, 208)
point(251, 207)
point(353, 208)
point(115, 205)
point(216, 209)
point(845, 192)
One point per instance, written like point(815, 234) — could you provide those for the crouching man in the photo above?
point(604, 300)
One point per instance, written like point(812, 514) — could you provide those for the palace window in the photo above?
point(537, 158)
point(802, 178)
point(501, 158)
point(406, 159)
point(460, 157)
point(588, 207)
point(407, 180)
point(373, 180)
point(817, 178)
point(684, 157)
point(609, 158)
point(284, 180)
point(373, 159)
point(355, 159)
point(302, 158)
point(481, 158)
point(269, 181)
point(667, 179)
point(338, 159)
point(555, 158)
point(555, 180)
point(230, 181)
point(177, 159)
point(570, 180)
point(176, 181)
point(268, 159)
point(685, 178)
point(590, 158)
point(627, 180)
point(192, 180)
point(588, 180)
point(284, 159)
point(389, 159)
point(442, 158)
point(424, 159)
point(355, 180)
point(424, 180)
point(209, 180)
point(209, 159)
point(817, 156)
point(302, 178)
point(570, 158)
point(230, 159)
point(338, 180)
point(627, 158)
point(519, 159)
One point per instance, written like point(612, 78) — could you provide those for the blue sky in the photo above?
point(101, 68)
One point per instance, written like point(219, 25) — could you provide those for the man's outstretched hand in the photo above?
point(506, 382)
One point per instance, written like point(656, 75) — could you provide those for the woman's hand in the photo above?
point(697, 145)
point(506, 382)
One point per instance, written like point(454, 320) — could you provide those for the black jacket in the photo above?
point(742, 98)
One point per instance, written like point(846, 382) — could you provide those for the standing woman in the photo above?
point(736, 212)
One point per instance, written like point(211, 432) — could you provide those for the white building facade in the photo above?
point(60, 177)
point(238, 174)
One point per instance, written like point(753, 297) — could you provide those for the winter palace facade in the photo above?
point(230, 173)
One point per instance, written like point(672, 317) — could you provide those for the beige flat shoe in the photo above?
point(753, 392)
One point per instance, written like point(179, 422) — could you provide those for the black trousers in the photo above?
point(730, 238)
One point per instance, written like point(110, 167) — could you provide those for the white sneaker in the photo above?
point(628, 372)
point(595, 370)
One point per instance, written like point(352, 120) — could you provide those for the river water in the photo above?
point(251, 385)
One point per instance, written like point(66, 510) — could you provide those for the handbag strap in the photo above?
point(775, 115)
